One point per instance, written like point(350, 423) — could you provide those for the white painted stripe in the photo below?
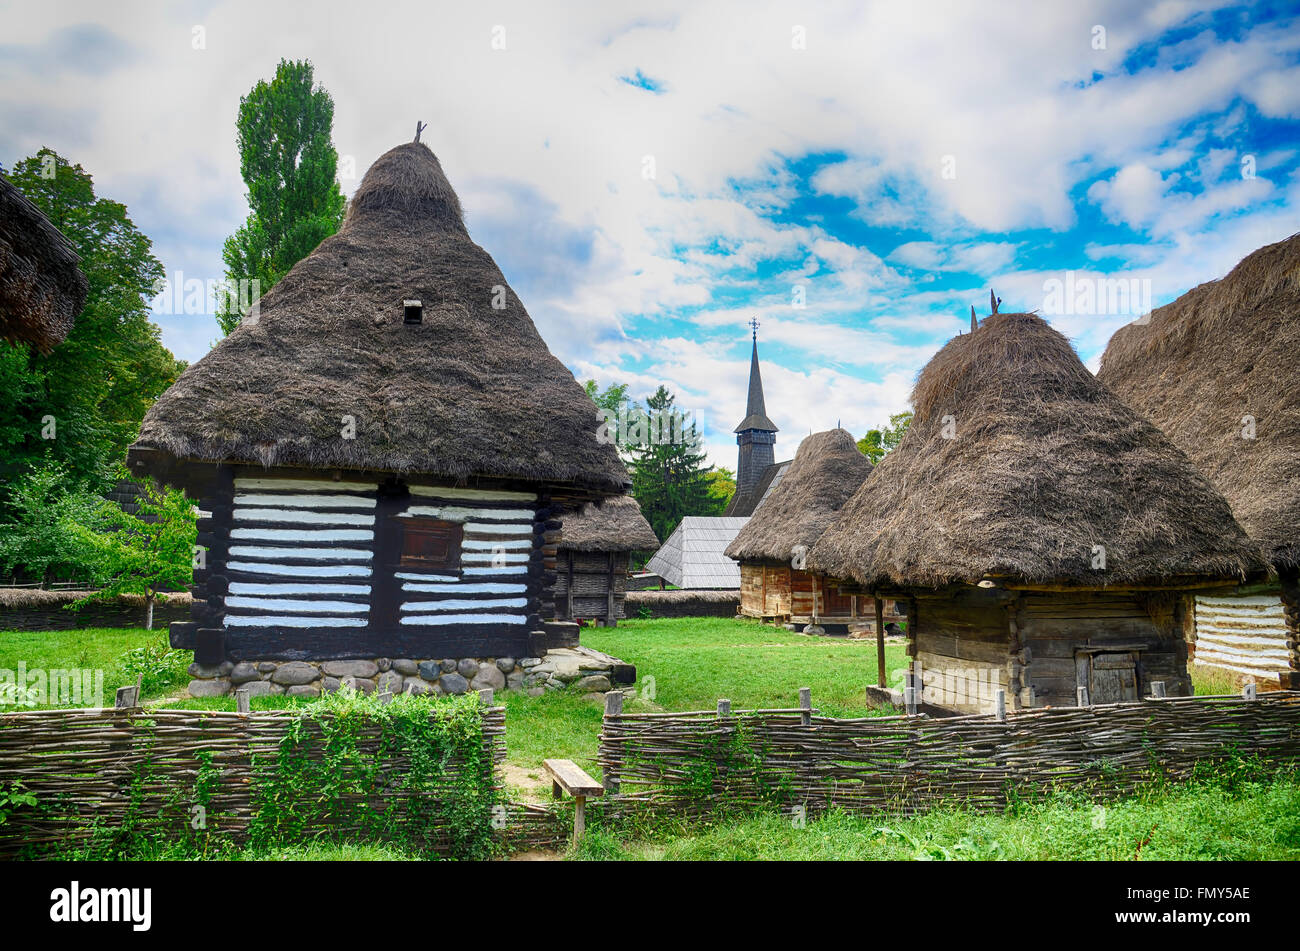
point(302, 534)
point(496, 571)
point(498, 558)
point(307, 554)
point(248, 587)
point(307, 501)
point(1257, 600)
point(467, 588)
point(303, 571)
point(476, 495)
point(1229, 663)
point(491, 546)
point(454, 604)
point(503, 528)
point(1240, 639)
point(452, 513)
point(435, 620)
point(306, 485)
point(291, 516)
point(289, 606)
point(416, 576)
point(1280, 653)
point(250, 620)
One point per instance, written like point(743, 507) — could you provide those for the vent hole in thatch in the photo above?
point(412, 312)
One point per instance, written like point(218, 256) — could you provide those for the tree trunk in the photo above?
point(148, 612)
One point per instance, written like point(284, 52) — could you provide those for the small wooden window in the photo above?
point(430, 543)
point(412, 312)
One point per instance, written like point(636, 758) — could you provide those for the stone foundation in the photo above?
point(579, 668)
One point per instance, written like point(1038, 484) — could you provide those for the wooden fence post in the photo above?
point(909, 691)
point(1000, 706)
point(1158, 689)
point(613, 709)
point(1250, 692)
point(242, 702)
point(1082, 693)
point(805, 705)
point(724, 708)
point(484, 696)
point(880, 641)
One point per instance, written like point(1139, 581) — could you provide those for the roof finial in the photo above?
point(994, 300)
point(753, 324)
point(419, 127)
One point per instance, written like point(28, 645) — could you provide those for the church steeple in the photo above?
point(756, 434)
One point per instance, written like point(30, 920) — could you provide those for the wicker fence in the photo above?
point(97, 771)
point(713, 761)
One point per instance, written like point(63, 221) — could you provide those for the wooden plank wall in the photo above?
point(590, 571)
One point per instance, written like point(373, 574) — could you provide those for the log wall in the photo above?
point(1245, 635)
point(584, 582)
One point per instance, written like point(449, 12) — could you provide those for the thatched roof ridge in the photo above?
point(613, 524)
point(1017, 464)
point(1199, 366)
point(471, 391)
point(42, 289)
point(826, 471)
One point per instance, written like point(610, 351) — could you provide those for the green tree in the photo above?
point(81, 405)
point(670, 479)
point(722, 486)
point(146, 554)
point(877, 443)
point(289, 164)
point(45, 534)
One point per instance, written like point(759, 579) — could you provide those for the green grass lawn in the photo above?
point(692, 662)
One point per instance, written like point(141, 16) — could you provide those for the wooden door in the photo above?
point(1113, 678)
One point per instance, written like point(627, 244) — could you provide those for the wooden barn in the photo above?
point(384, 450)
point(1040, 535)
point(1216, 370)
point(42, 289)
point(772, 548)
point(596, 543)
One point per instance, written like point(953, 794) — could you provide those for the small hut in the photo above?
point(1041, 536)
point(385, 451)
point(596, 543)
point(42, 288)
point(693, 556)
point(772, 548)
point(1216, 370)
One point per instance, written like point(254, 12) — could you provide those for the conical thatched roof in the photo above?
point(470, 391)
point(1224, 351)
point(1043, 464)
point(614, 524)
point(827, 470)
point(41, 287)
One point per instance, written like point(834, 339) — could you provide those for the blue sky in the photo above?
point(650, 182)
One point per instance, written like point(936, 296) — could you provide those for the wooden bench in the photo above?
point(567, 776)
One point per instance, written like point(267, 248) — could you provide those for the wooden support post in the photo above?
point(1158, 689)
point(485, 696)
point(1250, 692)
point(613, 708)
point(568, 592)
point(1000, 706)
point(1082, 695)
point(242, 702)
point(724, 708)
point(386, 697)
point(126, 698)
point(611, 614)
point(880, 641)
point(568, 777)
point(805, 705)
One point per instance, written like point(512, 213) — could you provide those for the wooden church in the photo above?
point(382, 448)
point(1043, 539)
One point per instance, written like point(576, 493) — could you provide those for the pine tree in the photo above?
point(670, 473)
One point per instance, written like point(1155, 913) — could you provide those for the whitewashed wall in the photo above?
point(1245, 634)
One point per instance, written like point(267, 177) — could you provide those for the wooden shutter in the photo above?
point(430, 543)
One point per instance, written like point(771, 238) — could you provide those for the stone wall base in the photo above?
point(578, 668)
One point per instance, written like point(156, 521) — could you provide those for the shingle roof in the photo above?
point(692, 557)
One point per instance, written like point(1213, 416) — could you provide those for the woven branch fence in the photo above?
point(706, 763)
point(95, 771)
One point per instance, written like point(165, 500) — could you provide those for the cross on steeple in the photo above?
point(753, 325)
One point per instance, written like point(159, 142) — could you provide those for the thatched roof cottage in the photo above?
point(42, 289)
point(596, 543)
point(1216, 370)
point(1041, 535)
point(772, 548)
point(384, 449)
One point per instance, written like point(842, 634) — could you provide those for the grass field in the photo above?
point(688, 664)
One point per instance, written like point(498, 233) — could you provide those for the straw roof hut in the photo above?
point(595, 547)
point(1040, 532)
point(1216, 370)
point(42, 289)
point(385, 446)
point(774, 544)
